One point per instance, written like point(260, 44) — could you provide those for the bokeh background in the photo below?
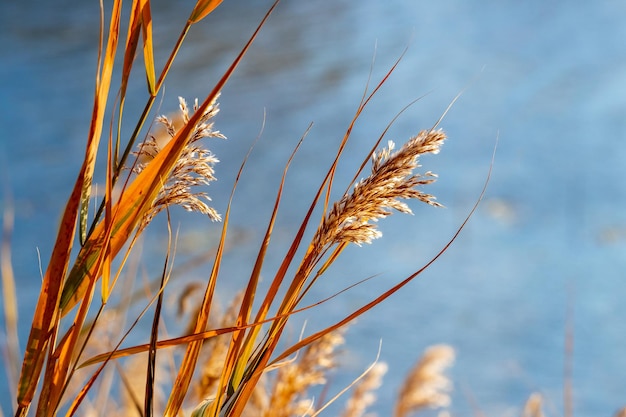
point(546, 81)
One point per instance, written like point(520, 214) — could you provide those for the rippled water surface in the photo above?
point(546, 80)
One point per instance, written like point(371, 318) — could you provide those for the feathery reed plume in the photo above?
point(532, 408)
point(289, 393)
point(391, 179)
point(363, 395)
point(193, 168)
point(426, 386)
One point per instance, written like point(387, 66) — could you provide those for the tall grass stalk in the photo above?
point(240, 364)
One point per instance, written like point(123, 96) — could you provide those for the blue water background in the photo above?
point(546, 81)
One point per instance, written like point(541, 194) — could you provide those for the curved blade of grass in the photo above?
point(183, 379)
point(146, 111)
point(154, 332)
point(148, 54)
point(255, 367)
point(130, 49)
point(133, 204)
point(202, 9)
point(132, 40)
point(181, 340)
point(306, 341)
point(238, 355)
point(103, 85)
point(294, 293)
point(58, 366)
point(46, 316)
point(107, 257)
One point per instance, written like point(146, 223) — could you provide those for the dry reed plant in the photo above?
point(363, 394)
point(353, 218)
point(533, 406)
point(288, 389)
point(240, 365)
point(426, 386)
point(194, 167)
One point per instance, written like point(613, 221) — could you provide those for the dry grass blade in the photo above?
point(181, 385)
point(132, 40)
point(154, 333)
point(314, 254)
point(129, 212)
point(46, 315)
point(161, 344)
point(201, 336)
point(385, 295)
point(202, 9)
point(240, 351)
point(148, 54)
point(103, 85)
point(363, 395)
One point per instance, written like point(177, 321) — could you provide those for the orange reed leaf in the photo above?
point(46, 316)
point(58, 366)
point(103, 85)
point(238, 353)
point(133, 204)
point(148, 54)
point(311, 258)
point(132, 40)
point(108, 222)
point(161, 344)
point(382, 297)
point(201, 336)
point(183, 379)
point(202, 9)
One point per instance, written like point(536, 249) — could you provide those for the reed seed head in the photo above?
point(293, 380)
point(426, 385)
point(352, 219)
point(533, 406)
point(364, 392)
point(194, 168)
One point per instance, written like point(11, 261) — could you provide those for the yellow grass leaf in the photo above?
point(134, 28)
point(202, 9)
point(148, 54)
point(103, 84)
point(46, 315)
point(133, 204)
